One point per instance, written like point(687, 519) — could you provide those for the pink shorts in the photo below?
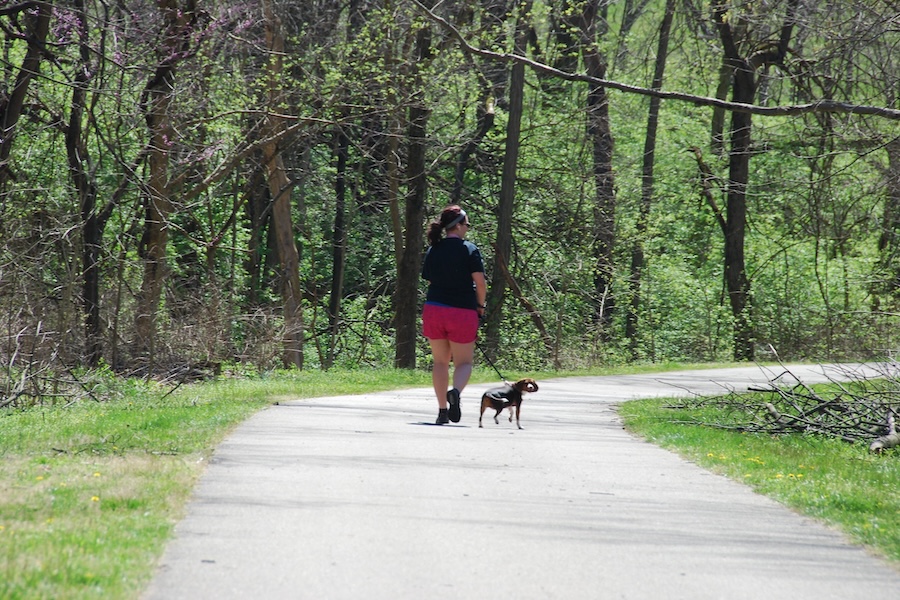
point(459, 325)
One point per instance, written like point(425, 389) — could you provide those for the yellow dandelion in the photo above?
point(97, 474)
point(710, 455)
point(779, 476)
point(95, 498)
point(40, 478)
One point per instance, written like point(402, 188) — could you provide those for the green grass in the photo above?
point(841, 484)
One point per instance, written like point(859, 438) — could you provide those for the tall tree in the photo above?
point(34, 31)
point(338, 243)
point(647, 179)
point(409, 266)
point(589, 22)
point(178, 20)
point(508, 180)
point(85, 184)
point(280, 186)
point(743, 90)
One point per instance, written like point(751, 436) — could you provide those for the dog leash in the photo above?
point(483, 353)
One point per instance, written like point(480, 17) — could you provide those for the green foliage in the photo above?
point(818, 199)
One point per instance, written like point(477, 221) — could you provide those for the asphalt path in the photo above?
point(362, 497)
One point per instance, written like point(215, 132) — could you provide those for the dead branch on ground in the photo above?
point(854, 406)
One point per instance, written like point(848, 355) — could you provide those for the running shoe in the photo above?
point(453, 399)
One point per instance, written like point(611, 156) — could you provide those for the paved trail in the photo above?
point(359, 497)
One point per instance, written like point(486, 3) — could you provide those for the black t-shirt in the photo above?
point(448, 267)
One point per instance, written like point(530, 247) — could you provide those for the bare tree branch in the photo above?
point(855, 407)
point(820, 106)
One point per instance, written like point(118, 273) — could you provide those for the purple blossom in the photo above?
point(66, 25)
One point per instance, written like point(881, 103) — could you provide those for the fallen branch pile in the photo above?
point(853, 407)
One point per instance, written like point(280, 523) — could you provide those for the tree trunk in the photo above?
point(503, 238)
point(406, 294)
point(280, 189)
point(338, 247)
point(493, 17)
point(288, 257)
point(736, 282)
point(392, 185)
point(717, 135)
point(889, 240)
point(600, 135)
point(582, 23)
point(637, 251)
point(258, 219)
point(743, 80)
point(155, 101)
point(11, 107)
point(86, 187)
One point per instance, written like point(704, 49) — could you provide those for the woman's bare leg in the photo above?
point(463, 358)
point(440, 372)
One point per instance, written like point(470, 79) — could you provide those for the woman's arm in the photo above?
point(480, 290)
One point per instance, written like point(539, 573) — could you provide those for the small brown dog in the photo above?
point(507, 396)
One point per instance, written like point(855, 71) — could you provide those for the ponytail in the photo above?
point(450, 217)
